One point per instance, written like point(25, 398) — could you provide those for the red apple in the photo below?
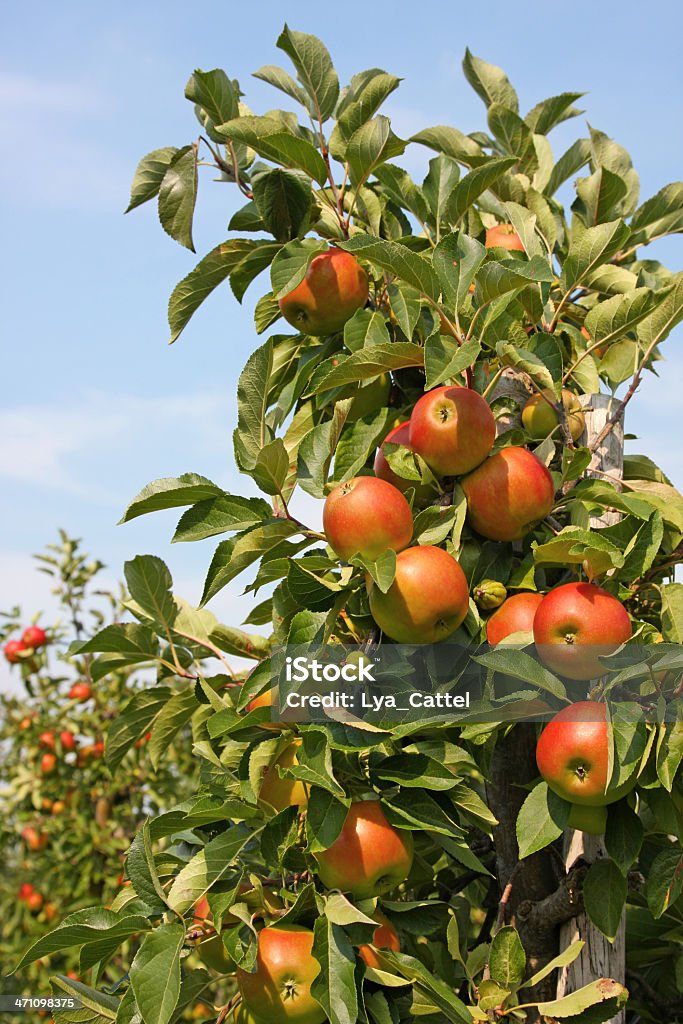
point(80, 691)
point(516, 615)
point(453, 429)
point(334, 287)
point(48, 763)
point(34, 902)
point(384, 937)
point(427, 601)
point(366, 516)
point(369, 857)
point(382, 469)
point(575, 625)
point(25, 890)
point(279, 989)
point(58, 807)
point(13, 651)
point(33, 839)
point(34, 636)
point(67, 739)
point(508, 494)
point(572, 755)
point(47, 739)
point(503, 236)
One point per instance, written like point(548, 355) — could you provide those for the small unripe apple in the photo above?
point(382, 469)
point(575, 625)
point(80, 691)
point(540, 417)
point(384, 937)
point(34, 637)
point(366, 516)
point(453, 429)
point(592, 820)
point(369, 857)
point(279, 989)
point(334, 287)
point(572, 755)
point(516, 615)
point(503, 236)
point(14, 650)
point(48, 763)
point(489, 594)
point(279, 793)
point(508, 494)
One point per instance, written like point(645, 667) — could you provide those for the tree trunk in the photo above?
point(599, 958)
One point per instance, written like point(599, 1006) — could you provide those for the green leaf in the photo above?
point(135, 721)
point(310, 589)
point(370, 362)
point(658, 216)
point(576, 157)
point(599, 196)
point(415, 770)
point(149, 584)
point(178, 195)
point(289, 267)
point(371, 145)
point(213, 91)
point(513, 134)
point(172, 717)
point(520, 665)
point(86, 926)
point(397, 259)
point(132, 643)
point(489, 82)
point(456, 260)
point(226, 513)
point(325, 817)
point(335, 986)
point(283, 200)
point(265, 135)
point(573, 546)
point(507, 959)
point(467, 191)
point(208, 866)
point(314, 69)
point(510, 354)
point(672, 612)
point(565, 958)
point(600, 991)
point(155, 973)
point(271, 467)
point(253, 390)
point(382, 571)
point(664, 882)
point(235, 641)
point(548, 113)
point(623, 836)
point(661, 321)
point(232, 557)
point(148, 176)
point(501, 276)
point(142, 870)
point(643, 548)
point(426, 982)
point(366, 327)
point(365, 103)
point(537, 826)
point(316, 450)
point(101, 1007)
point(253, 264)
point(434, 523)
point(589, 249)
point(444, 359)
point(604, 895)
point(616, 316)
point(442, 177)
point(282, 80)
point(398, 184)
point(452, 143)
point(212, 270)
point(416, 810)
point(170, 492)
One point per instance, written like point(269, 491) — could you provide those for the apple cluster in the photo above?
point(31, 640)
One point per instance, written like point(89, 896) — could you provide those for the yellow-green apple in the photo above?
point(575, 625)
point(572, 755)
point(369, 857)
point(516, 615)
point(366, 516)
point(279, 989)
point(508, 494)
point(399, 435)
point(334, 287)
point(279, 793)
point(592, 820)
point(385, 936)
point(453, 429)
point(539, 415)
point(427, 601)
point(503, 236)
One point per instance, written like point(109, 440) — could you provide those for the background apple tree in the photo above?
point(479, 926)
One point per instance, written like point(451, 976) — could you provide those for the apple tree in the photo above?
point(445, 366)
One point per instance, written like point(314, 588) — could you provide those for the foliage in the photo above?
point(443, 307)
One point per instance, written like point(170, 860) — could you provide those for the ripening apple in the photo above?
point(427, 601)
point(592, 820)
point(34, 636)
point(25, 890)
point(33, 839)
point(382, 469)
point(366, 516)
point(80, 691)
point(48, 763)
point(266, 699)
point(508, 494)
point(279, 793)
point(384, 937)
point(34, 902)
point(67, 739)
point(14, 650)
point(503, 236)
point(58, 807)
point(369, 857)
point(572, 755)
point(279, 989)
point(334, 287)
point(575, 625)
point(540, 418)
point(453, 429)
point(47, 739)
point(516, 615)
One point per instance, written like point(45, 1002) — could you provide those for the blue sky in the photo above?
point(95, 404)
